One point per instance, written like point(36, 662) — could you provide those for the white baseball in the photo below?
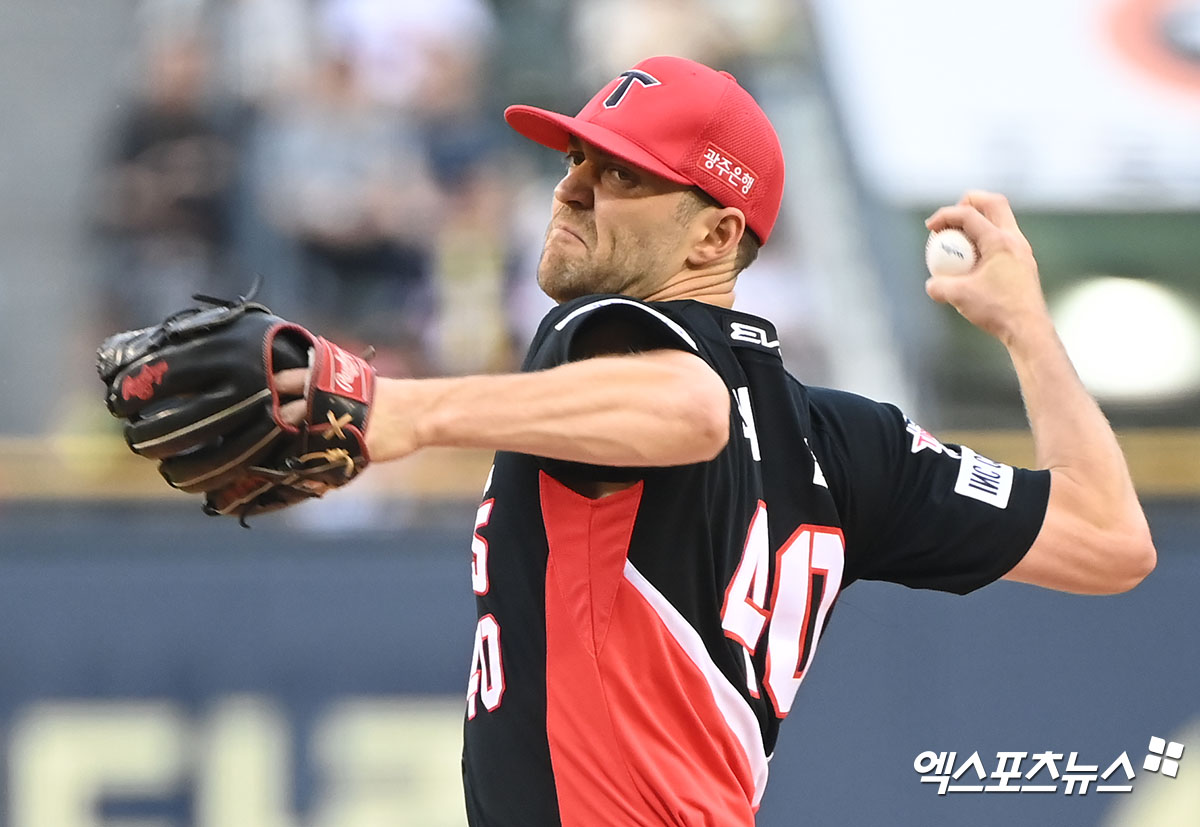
point(949, 253)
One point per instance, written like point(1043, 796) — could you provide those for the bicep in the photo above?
point(1056, 552)
point(1075, 554)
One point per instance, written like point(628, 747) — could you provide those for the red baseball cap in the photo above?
point(682, 121)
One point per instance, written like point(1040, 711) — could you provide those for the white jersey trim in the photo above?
point(596, 305)
point(737, 713)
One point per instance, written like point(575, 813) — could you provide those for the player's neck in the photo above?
point(708, 286)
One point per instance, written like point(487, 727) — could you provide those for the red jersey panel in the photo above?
point(630, 682)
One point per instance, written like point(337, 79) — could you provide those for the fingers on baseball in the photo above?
point(987, 218)
point(984, 234)
point(941, 288)
point(994, 206)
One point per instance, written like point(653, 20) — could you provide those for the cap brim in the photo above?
point(554, 130)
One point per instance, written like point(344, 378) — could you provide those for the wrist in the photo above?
point(419, 410)
point(1029, 335)
point(397, 425)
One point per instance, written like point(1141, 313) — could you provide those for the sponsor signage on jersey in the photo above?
point(984, 479)
point(742, 332)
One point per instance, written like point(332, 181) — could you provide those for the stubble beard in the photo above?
point(564, 276)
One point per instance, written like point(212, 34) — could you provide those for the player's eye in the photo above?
point(572, 159)
point(621, 175)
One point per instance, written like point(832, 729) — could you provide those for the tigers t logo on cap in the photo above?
point(631, 77)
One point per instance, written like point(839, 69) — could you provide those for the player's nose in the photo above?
point(577, 187)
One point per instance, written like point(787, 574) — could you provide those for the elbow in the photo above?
point(710, 423)
point(683, 408)
point(1142, 559)
point(705, 408)
point(693, 401)
point(1099, 536)
point(1133, 558)
point(713, 436)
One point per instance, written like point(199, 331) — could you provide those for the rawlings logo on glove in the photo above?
point(142, 383)
point(212, 418)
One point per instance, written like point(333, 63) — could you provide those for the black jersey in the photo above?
point(635, 654)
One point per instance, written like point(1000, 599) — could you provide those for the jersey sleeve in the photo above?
point(918, 512)
point(598, 325)
point(604, 325)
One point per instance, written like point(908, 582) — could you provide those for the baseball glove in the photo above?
point(197, 394)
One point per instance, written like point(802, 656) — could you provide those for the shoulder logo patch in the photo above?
point(922, 439)
point(984, 479)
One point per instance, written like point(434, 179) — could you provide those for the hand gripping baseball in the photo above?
point(1002, 294)
point(197, 393)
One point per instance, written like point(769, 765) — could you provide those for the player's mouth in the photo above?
point(566, 231)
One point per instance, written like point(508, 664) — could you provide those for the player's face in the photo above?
point(614, 228)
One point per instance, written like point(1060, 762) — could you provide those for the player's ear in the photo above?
point(717, 235)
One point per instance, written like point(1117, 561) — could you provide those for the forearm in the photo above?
point(651, 409)
point(1071, 434)
point(1095, 525)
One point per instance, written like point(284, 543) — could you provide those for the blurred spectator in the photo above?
point(164, 190)
point(473, 333)
point(410, 55)
point(265, 48)
point(695, 29)
point(349, 184)
point(429, 65)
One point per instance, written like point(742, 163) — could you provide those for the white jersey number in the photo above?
point(479, 549)
point(487, 668)
point(487, 664)
point(808, 574)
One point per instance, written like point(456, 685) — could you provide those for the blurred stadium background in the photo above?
point(161, 669)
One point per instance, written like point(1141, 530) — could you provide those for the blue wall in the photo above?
point(108, 605)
